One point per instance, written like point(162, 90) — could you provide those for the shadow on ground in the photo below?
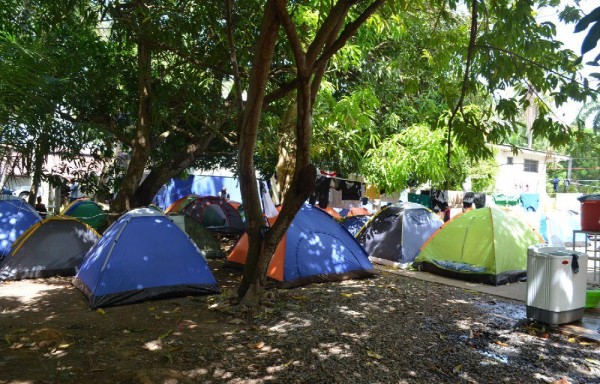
point(388, 329)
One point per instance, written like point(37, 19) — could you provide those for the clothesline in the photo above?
point(341, 178)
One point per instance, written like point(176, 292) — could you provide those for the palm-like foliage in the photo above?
point(590, 110)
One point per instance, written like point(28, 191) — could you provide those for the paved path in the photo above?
point(588, 327)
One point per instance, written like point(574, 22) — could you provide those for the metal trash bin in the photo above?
point(556, 284)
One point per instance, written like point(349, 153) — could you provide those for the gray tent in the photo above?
point(397, 232)
point(52, 247)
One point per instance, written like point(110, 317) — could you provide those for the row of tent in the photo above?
point(145, 255)
point(486, 245)
point(142, 255)
point(17, 216)
point(129, 262)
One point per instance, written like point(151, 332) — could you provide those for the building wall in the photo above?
point(53, 165)
point(514, 179)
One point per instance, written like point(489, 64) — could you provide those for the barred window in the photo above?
point(530, 166)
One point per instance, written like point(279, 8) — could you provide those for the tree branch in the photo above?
point(529, 61)
point(319, 71)
point(215, 129)
point(292, 34)
point(281, 92)
point(106, 123)
point(234, 65)
point(348, 32)
point(463, 91)
point(189, 58)
point(336, 15)
point(321, 63)
point(532, 88)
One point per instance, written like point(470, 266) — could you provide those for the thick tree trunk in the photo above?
point(252, 285)
point(141, 145)
point(326, 43)
point(262, 243)
point(303, 180)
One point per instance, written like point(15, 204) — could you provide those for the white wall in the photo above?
point(513, 179)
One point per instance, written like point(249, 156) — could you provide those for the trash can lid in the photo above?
point(595, 196)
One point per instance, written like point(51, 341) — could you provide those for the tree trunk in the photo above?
point(38, 164)
point(141, 145)
point(287, 151)
point(304, 174)
point(252, 285)
point(161, 174)
point(262, 244)
point(9, 166)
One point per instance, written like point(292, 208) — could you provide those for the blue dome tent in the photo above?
point(16, 216)
point(355, 223)
point(315, 248)
point(143, 256)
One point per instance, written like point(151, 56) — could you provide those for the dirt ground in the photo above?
point(390, 329)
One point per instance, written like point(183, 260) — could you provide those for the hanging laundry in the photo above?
point(439, 199)
point(351, 190)
point(321, 192)
point(479, 200)
point(269, 206)
point(336, 194)
point(328, 173)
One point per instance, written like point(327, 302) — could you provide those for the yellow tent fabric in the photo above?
point(372, 192)
point(485, 245)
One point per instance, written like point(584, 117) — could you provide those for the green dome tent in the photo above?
point(484, 245)
point(88, 212)
point(208, 244)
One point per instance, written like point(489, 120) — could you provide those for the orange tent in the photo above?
point(332, 212)
point(358, 212)
point(314, 249)
point(235, 204)
point(179, 204)
point(238, 255)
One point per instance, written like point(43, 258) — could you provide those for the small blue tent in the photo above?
point(16, 216)
point(557, 227)
point(143, 256)
point(355, 223)
point(315, 248)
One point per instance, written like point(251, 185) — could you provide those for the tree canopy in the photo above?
point(404, 92)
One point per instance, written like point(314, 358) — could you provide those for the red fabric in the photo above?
point(330, 174)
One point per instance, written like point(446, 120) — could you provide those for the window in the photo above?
point(530, 166)
point(509, 160)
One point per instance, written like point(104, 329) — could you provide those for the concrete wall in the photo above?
point(513, 179)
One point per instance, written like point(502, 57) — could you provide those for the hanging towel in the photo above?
point(269, 206)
